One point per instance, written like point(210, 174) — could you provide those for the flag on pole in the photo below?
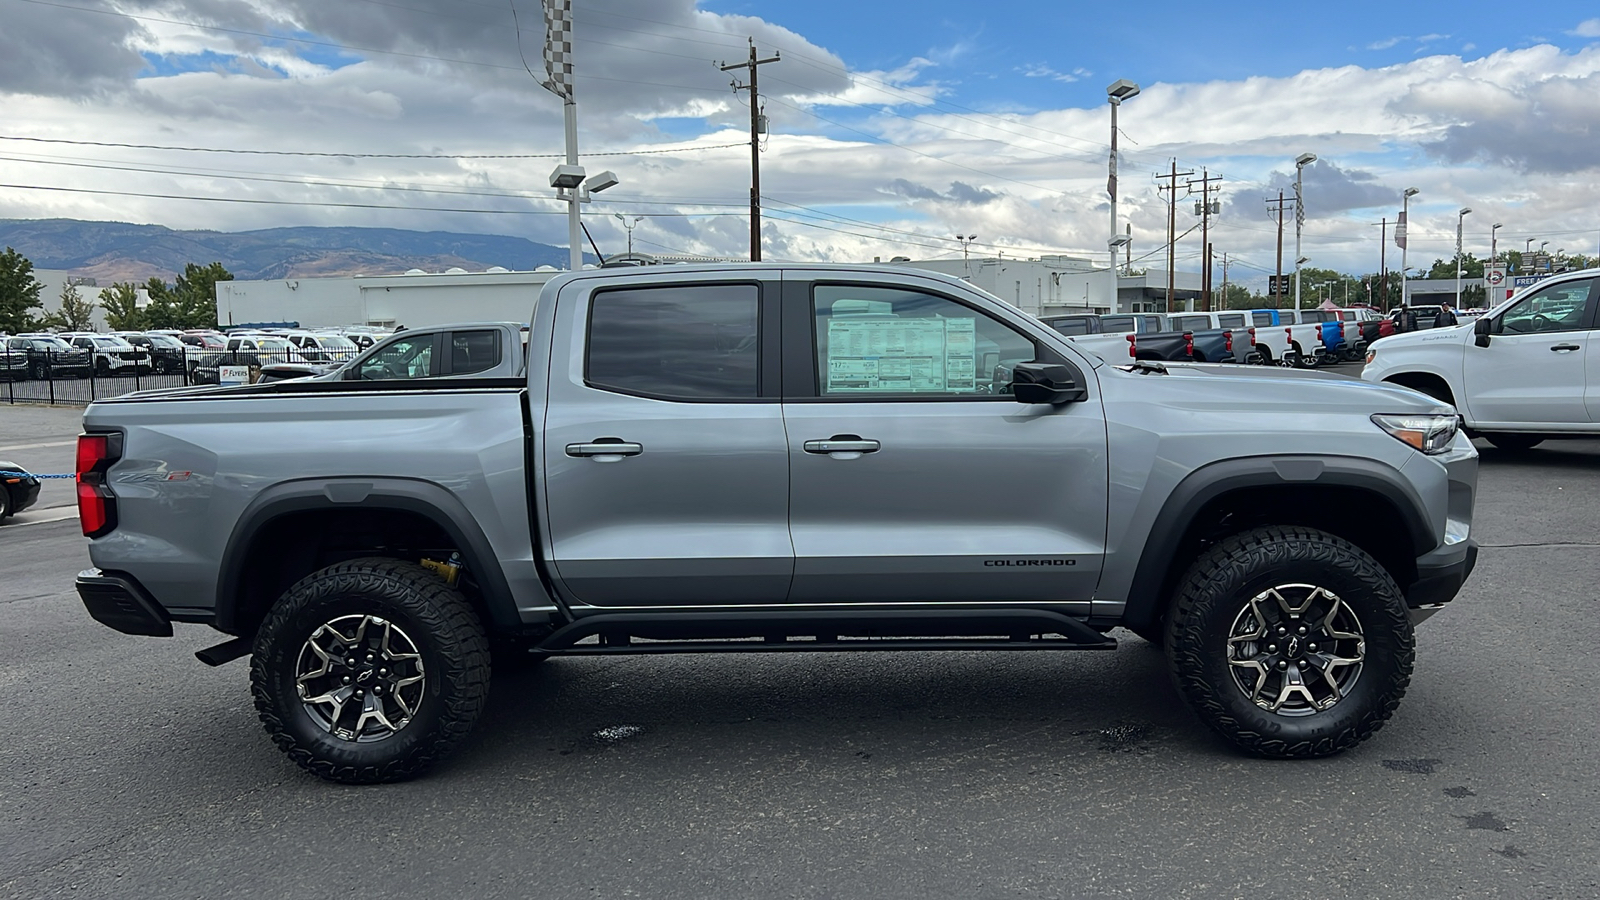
point(1400, 232)
point(558, 48)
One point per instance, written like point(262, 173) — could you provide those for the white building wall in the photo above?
point(1045, 286)
point(388, 300)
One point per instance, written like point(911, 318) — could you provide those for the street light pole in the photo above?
point(1118, 91)
point(1461, 218)
point(1300, 163)
point(1494, 243)
point(625, 224)
point(966, 241)
point(1403, 230)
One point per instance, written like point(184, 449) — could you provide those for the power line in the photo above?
point(320, 203)
point(342, 155)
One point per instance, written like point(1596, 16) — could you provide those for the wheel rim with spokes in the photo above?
point(360, 678)
point(1296, 649)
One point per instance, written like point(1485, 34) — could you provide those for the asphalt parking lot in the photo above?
point(128, 769)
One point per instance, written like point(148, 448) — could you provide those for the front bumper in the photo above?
point(118, 602)
point(24, 491)
point(1440, 575)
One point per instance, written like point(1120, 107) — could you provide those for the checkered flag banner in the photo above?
point(558, 48)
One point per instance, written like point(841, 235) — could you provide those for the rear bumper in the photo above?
point(118, 602)
point(1440, 575)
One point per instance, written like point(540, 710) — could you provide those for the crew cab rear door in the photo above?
point(665, 470)
point(914, 476)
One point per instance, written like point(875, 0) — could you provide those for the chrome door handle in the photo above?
point(1562, 348)
point(842, 443)
point(605, 447)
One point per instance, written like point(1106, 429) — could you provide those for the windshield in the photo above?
point(273, 343)
point(335, 342)
point(165, 341)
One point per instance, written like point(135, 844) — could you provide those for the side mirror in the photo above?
point(1051, 383)
point(1482, 328)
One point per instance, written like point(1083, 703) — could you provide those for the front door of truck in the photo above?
point(914, 476)
point(665, 468)
point(1533, 371)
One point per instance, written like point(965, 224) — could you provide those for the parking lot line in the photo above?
point(38, 446)
point(24, 519)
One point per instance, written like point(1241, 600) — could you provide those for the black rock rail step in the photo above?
point(800, 631)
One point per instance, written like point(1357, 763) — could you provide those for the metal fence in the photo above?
point(48, 380)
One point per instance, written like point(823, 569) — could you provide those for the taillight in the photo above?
point(1227, 341)
point(1188, 343)
point(97, 506)
point(1289, 333)
point(1133, 343)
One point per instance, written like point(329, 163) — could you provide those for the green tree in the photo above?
point(190, 302)
point(1235, 296)
point(75, 314)
point(121, 303)
point(19, 292)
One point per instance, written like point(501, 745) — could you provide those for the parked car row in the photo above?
point(1304, 338)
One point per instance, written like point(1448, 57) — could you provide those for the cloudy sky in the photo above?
point(894, 125)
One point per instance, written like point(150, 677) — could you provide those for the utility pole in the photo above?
point(1204, 181)
point(1383, 263)
point(1171, 189)
point(758, 125)
point(1224, 279)
point(1277, 290)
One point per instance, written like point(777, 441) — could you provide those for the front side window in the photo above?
point(1559, 307)
point(405, 358)
point(678, 342)
point(881, 341)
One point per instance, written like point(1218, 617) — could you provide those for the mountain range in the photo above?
point(117, 251)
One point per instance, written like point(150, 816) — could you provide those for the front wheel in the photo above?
point(1290, 642)
point(370, 671)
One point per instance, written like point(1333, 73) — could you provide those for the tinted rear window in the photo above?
point(1261, 318)
point(1231, 321)
point(1070, 327)
point(474, 351)
point(1191, 323)
point(682, 342)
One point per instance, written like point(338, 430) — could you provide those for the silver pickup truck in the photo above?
point(766, 457)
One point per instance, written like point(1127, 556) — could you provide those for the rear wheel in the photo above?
point(370, 671)
point(1290, 642)
point(1513, 443)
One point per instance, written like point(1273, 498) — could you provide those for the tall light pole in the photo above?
point(1300, 163)
point(1118, 91)
point(1494, 242)
point(1401, 235)
point(966, 241)
point(1461, 218)
point(630, 226)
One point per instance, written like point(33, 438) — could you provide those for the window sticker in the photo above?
point(901, 355)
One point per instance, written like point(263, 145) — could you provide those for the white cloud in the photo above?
point(1505, 133)
point(1589, 28)
point(1386, 43)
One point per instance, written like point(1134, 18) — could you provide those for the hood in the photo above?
point(1233, 386)
point(1454, 334)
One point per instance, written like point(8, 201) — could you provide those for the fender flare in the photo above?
point(1146, 600)
point(425, 498)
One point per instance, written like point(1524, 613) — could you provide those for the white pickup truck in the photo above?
point(1519, 375)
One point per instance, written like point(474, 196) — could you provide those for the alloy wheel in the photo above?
point(360, 678)
point(1296, 649)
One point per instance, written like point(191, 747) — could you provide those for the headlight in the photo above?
point(1370, 354)
point(1430, 434)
